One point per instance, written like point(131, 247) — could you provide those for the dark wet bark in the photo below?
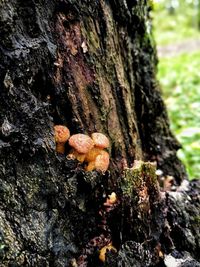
point(90, 65)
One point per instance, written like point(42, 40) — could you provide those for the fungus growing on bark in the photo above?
point(92, 154)
point(97, 158)
point(90, 150)
point(100, 163)
point(111, 202)
point(62, 134)
point(100, 140)
point(81, 143)
point(112, 198)
point(102, 252)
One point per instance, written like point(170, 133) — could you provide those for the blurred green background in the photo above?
point(177, 33)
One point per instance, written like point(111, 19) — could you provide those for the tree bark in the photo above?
point(90, 65)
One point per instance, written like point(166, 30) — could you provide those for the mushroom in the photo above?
point(92, 154)
point(102, 252)
point(112, 198)
point(90, 150)
point(110, 201)
point(100, 140)
point(82, 143)
point(101, 162)
point(97, 158)
point(62, 134)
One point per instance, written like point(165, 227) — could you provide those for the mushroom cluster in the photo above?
point(89, 150)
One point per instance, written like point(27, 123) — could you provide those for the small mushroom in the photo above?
point(102, 161)
point(102, 252)
point(100, 140)
point(62, 134)
point(112, 198)
point(82, 143)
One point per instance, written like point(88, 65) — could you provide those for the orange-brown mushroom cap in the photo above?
point(81, 143)
point(100, 140)
point(62, 133)
point(102, 161)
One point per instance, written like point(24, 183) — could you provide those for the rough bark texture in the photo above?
point(89, 65)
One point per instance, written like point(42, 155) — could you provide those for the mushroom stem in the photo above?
point(90, 166)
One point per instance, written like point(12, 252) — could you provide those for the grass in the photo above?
point(180, 81)
point(175, 28)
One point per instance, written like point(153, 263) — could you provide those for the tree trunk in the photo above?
point(90, 65)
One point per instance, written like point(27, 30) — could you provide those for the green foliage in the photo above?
point(175, 27)
point(180, 76)
point(180, 80)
